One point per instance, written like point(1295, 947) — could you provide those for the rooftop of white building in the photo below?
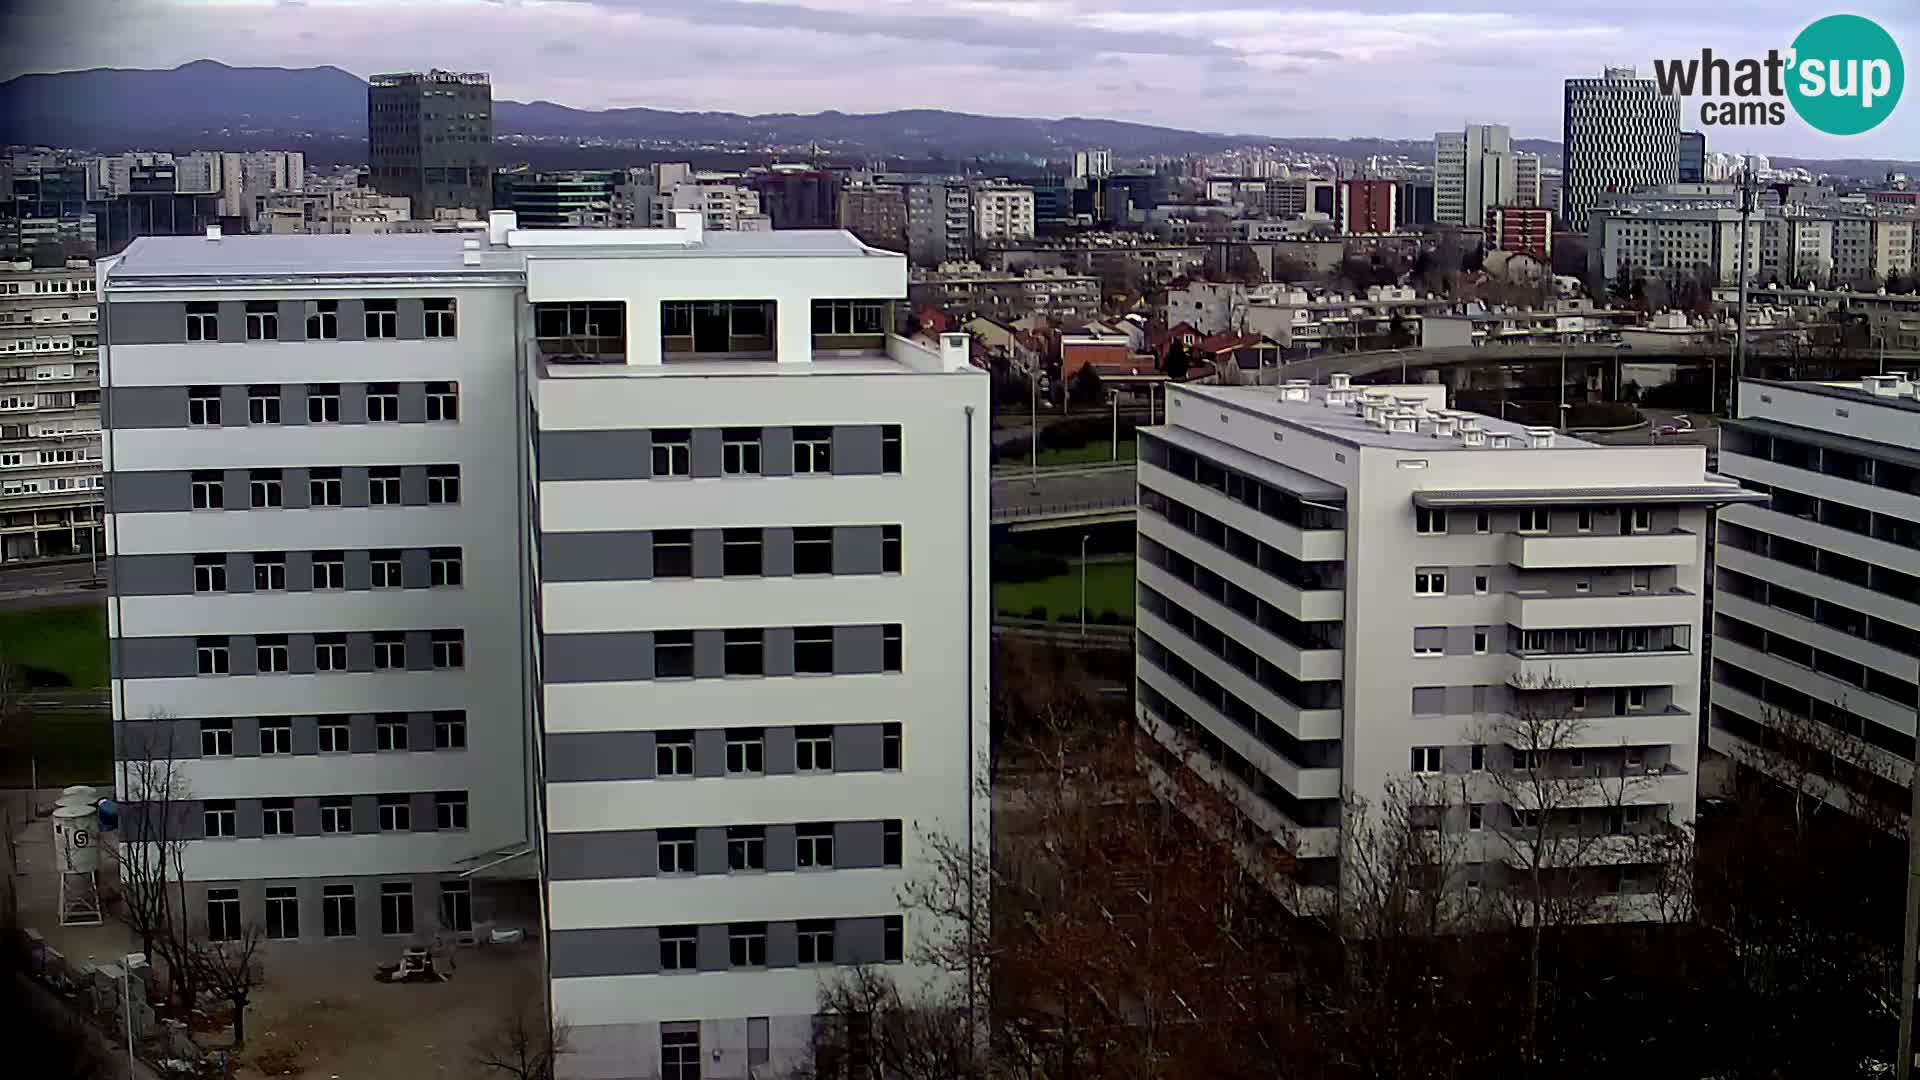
point(1339, 414)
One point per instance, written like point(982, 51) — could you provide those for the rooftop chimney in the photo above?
point(1443, 427)
point(1472, 436)
point(1499, 440)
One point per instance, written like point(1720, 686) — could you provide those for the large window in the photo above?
point(283, 912)
point(396, 907)
point(581, 332)
point(844, 318)
point(336, 911)
point(223, 914)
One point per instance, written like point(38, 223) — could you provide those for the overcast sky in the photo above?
point(1391, 68)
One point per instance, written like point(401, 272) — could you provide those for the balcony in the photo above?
point(1538, 611)
point(1539, 552)
point(1654, 667)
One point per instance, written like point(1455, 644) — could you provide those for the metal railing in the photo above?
point(1065, 509)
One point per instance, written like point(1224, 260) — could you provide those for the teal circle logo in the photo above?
point(1846, 75)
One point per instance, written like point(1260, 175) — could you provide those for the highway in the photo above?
point(1086, 494)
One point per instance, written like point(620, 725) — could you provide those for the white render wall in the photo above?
point(940, 597)
point(492, 769)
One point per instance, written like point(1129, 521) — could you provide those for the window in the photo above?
point(283, 912)
point(1638, 639)
point(740, 451)
point(449, 731)
point(210, 656)
point(673, 654)
point(1426, 759)
point(1429, 640)
point(219, 817)
point(813, 650)
point(443, 484)
point(203, 406)
point(323, 320)
point(813, 847)
point(450, 810)
point(1636, 698)
point(323, 403)
point(1642, 580)
point(816, 941)
point(449, 649)
point(889, 549)
point(1583, 521)
point(1481, 583)
point(396, 906)
point(1479, 757)
point(263, 320)
point(892, 647)
point(679, 948)
point(672, 452)
point(890, 448)
point(223, 914)
point(443, 567)
point(336, 911)
point(208, 491)
point(384, 568)
point(1640, 519)
point(1577, 701)
point(1430, 583)
point(276, 735)
point(383, 485)
point(264, 489)
point(396, 813)
point(746, 751)
point(335, 737)
point(1479, 642)
point(676, 851)
point(383, 319)
point(893, 939)
point(209, 573)
point(746, 847)
point(673, 553)
point(1476, 816)
point(439, 317)
point(443, 401)
point(1533, 520)
point(813, 550)
point(740, 556)
point(813, 749)
point(329, 570)
point(216, 738)
point(336, 815)
point(673, 754)
point(390, 731)
point(680, 1052)
point(276, 817)
point(813, 450)
point(1528, 760)
point(1482, 522)
point(456, 906)
point(263, 404)
point(1582, 585)
point(1429, 522)
point(324, 488)
point(383, 403)
point(203, 322)
point(269, 572)
point(890, 746)
point(747, 945)
point(847, 317)
point(892, 842)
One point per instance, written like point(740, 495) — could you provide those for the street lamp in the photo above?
point(1033, 423)
point(1084, 537)
point(1114, 396)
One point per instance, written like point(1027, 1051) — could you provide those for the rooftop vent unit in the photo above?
point(1404, 422)
point(1540, 438)
point(1443, 427)
point(1339, 380)
point(1294, 390)
point(1472, 437)
point(1413, 403)
point(213, 233)
point(1877, 385)
point(1499, 440)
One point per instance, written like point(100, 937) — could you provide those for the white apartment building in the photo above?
point(49, 411)
point(1679, 242)
point(1817, 587)
point(1620, 135)
point(1095, 162)
point(726, 204)
point(542, 588)
point(1478, 169)
point(1340, 588)
point(1002, 213)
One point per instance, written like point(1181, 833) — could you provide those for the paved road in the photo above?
point(48, 584)
point(1015, 495)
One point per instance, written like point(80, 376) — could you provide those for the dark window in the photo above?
point(892, 647)
point(443, 567)
point(383, 485)
point(746, 751)
point(264, 489)
point(336, 814)
point(203, 322)
point(745, 652)
point(209, 491)
point(890, 448)
point(269, 572)
point(740, 452)
point(816, 941)
point(746, 847)
point(323, 320)
point(283, 910)
point(747, 945)
point(680, 1054)
point(439, 318)
point(323, 403)
point(383, 318)
point(396, 813)
point(325, 487)
point(223, 914)
point(893, 935)
point(443, 401)
point(335, 735)
point(673, 753)
point(203, 406)
point(450, 730)
point(396, 907)
point(330, 652)
point(890, 554)
point(263, 320)
point(276, 735)
point(209, 573)
point(813, 650)
point(813, 550)
point(672, 553)
point(216, 738)
point(443, 484)
point(450, 810)
point(892, 842)
point(329, 570)
point(679, 948)
point(449, 649)
point(263, 404)
point(390, 731)
point(672, 452)
point(383, 403)
point(384, 567)
point(890, 746)
point(676, 851)
point(210, 656)
point(741, 554)
point(813, 450)
point(673, 654)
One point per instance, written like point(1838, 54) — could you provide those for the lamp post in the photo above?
point(1084, 537)
point(1563, 384)
point(1114, 396)
point(1033, 424)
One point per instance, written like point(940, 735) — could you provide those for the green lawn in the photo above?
point(67, 748)
point(1094, 453)
point(71, 640)
point(1109, 588)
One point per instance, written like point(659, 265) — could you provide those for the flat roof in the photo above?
point(1345, 425)
point(1845, 391)
point(1704, 492)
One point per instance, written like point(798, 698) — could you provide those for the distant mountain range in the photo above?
point(209, 105)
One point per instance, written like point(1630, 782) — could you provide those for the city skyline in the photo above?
point(1217, 68)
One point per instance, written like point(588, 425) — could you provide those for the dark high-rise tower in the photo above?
point(430, 138)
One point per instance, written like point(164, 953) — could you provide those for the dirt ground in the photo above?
point(322, 1014)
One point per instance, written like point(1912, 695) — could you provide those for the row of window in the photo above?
point(339, 917)
point(743, 551)
point(264, 402)
point(1316, 754)
point(334, 734)
point(1786, 701)
point(379, 319)
point(62, 456)
point(212, 655)
point(1534, 521)
point(1826, 562)
point(1794, 651)
point(1240, 487)
point(1241, 545)
point(1305, 635)
point(742, 449)
point(1316, 694)
point(266, 488)
point(48, 399)
point(1828, 461)
point(1835, 616)
point(746, 751)
point(747, 948)
point(220, 818)
point(445, 569)
point(743, 652)
point(678, 853)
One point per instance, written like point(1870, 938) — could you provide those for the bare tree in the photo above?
point(865, 1029)
point(230, 969)
point(1824, 765)
point(523, 1042)
point(152, 830)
